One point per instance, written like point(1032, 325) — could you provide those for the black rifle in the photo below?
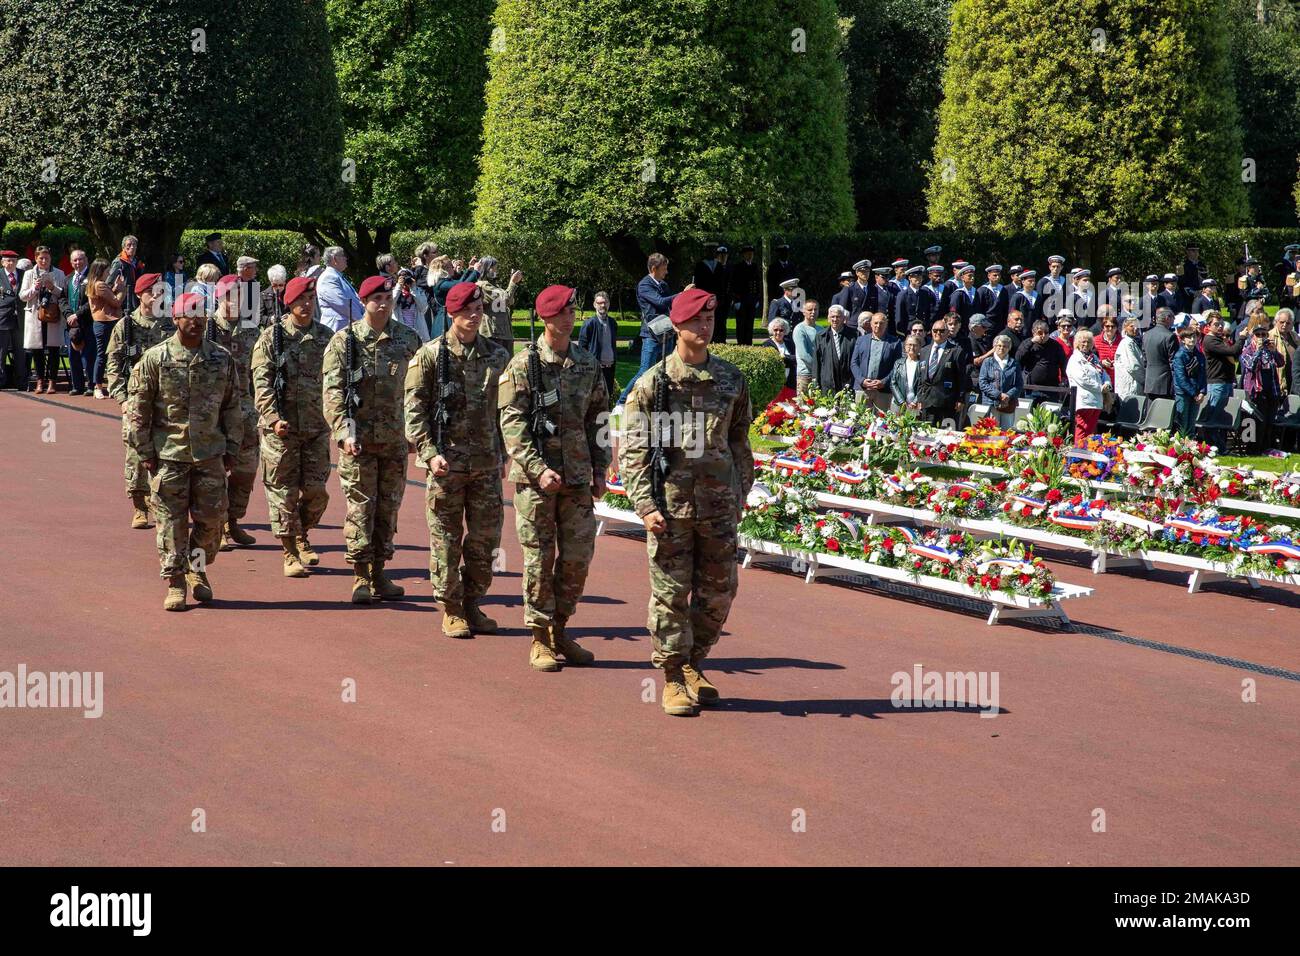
point(352, 376)
point(659, 431)
point(279, 360)
point(444, 393)
point(540, 423)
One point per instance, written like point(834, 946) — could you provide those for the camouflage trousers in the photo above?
point(373, 485)
point(137, 479)
point(692, 584)
point(558, 535)
point(464, 511)
point(189, 505)
point(242, 476)
point(294, 472)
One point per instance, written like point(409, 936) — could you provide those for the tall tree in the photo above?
point(1082, 117)
point(1266, 67)
point(126, 123)
point(894, 60)
point(646, 124)
point(411, 77)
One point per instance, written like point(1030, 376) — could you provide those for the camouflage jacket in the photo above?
point(184, 404)
point(711, 467)
point(238, 339)
point(304, 360)
point(146, 333)
point(472, 439)
point(581, 406)
point(382, 358)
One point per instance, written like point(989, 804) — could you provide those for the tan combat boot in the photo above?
point(198, 581)
point(238, 535)
point(454, 623)
point(361, 582)
point(540, 656)
point(573, 652)
point(698, 686)
point(676, 700)
point(381, 586)
point(479, 622)
point(293, 567)
point(305, 553)
point(175, 600)
point(140, 519)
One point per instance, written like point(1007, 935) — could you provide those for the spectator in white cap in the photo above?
point(250, 292)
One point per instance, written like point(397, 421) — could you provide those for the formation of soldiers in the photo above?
point(207, 394)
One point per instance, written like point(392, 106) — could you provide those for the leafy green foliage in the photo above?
point(1042, 131)
point(124, 122)
point(411, 79)
point(763, 370)
point(668, 120)
point(894, 61)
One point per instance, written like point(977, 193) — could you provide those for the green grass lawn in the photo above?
point(1262, 462)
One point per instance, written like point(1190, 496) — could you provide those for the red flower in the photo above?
point(1076, 500)
point(821, 522)
point(1054, 495)
point(954, 539)
point(987, 581)
point(833, 544)
point(1026, 511)
point(1025, 579)
point(888, 544)
point(1000, 486)
point(970, 580)
point(965, 494)
point(1057, 441)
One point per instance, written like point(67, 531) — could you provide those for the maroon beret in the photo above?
point(225, 283)
point(552, 300)
point(687, 305)
point(146, 282)
point(375, 284)
point(461, 295)
point(297, 286)
point(8, 254)
point(191, 303)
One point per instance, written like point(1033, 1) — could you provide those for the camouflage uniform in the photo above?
point(463, 507)
point(561, 521)
point(147, 332)
point(374, 481)
point(693, 563)
point(295, 469)
point(184, 410)
point(239, 339)
point(497, 306)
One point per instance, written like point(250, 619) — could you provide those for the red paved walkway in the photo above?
point(236, 709)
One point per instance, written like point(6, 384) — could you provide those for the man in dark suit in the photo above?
point(934, 294)
point(1159, 345)
point(11, 323)
point(746, 288)
point(1027, 300)
point(780, 270)
point(880, 297)
point(711, 276)
point(875, 353)
point(859, 292)
point(907, 303)
point(833, 355)
point(994, 300)
point(654, 297)
point(964, 299)
point(216, 254)
point(1208, 298)
point(942, 376)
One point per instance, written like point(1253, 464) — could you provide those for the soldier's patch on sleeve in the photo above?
point(505, 389)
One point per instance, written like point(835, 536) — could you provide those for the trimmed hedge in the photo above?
point(763, 370)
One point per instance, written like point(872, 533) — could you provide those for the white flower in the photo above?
point(1039, 442)
point(1038, 486)
point(791, 508)
point(1176, 478)
point(1293, 565)
point(1279, 530)
point(874, 557)
point(1223, 482)
point(900, 550)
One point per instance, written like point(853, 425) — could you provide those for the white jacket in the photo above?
point(1128, 362)
point(38, 334)
point(1088, 380)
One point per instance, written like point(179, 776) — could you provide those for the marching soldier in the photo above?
point(364, 372)
point(689, 496)
point(185, 423)
point(451, 419)
point(295, 440)
point(552, 400)
point(238, 336)
point(130, 338)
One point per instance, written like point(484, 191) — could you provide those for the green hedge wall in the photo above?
point(762, 367)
